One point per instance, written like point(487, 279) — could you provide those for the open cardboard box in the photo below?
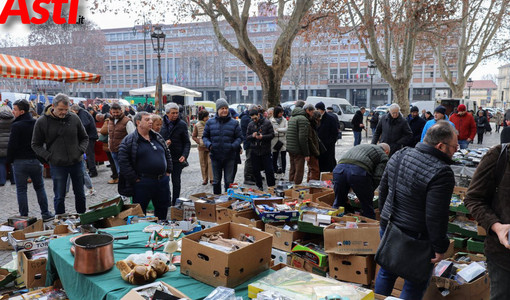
point(282, 238)
point(133, 294)
point(352, 268)
point(218, 268)
point(120, 219)
point(250, 218)
point(5, 245)
point(311, 193)
point(209, 211)
point(22, 241)
point(32, 271)
point(362, 240)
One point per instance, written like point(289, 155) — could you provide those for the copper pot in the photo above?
point(93, 253)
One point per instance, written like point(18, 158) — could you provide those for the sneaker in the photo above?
point(91, 192)
point(48, 217)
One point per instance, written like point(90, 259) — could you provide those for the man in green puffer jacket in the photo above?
point(361, 169)
point(297, 142)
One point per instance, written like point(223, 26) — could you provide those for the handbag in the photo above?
point(401, 254)
point(278, 146)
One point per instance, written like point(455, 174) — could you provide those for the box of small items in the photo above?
point(226, 255)
point(276, 210)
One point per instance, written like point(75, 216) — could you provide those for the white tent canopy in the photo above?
point(168, 89)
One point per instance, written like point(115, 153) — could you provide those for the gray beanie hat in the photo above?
point(221, 103)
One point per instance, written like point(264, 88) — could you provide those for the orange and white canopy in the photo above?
point(18, 67)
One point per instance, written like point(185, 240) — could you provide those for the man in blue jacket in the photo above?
point(175, 133)
point(222, 136)
point(439, 114)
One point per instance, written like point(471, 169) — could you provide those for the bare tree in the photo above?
point(230, 21)
point(388, 31)
point(480, 32)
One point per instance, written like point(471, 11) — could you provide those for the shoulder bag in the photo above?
point(401, 254)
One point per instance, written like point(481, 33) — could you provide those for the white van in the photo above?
point(13, 96)
point(341, 107)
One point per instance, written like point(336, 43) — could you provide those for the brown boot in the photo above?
point(113, 181)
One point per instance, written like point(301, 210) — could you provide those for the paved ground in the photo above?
point(191, 184)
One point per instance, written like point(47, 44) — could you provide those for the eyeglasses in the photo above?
point(456, 146)
point(154, 146)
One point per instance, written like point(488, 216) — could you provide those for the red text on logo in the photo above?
point(43, 12)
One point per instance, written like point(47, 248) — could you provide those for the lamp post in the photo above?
point(158, 43)
point(305, 60)
point(354, 97)
point(371, 71)
point(469, 84)
point(145, 29)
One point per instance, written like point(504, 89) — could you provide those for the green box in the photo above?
point(454, 228)
point(459, 209)
point(9, 276)
point(358, 205)
point(105, 209)
point(318, 258)
point(310, 228)
point(475, 246)
point(459, 242)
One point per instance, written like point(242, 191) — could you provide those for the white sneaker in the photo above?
point(91, 192)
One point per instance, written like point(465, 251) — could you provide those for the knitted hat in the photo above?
point(415, 108)
point(320, 106)
point(461, 107)
point(221, 103)
point(440, 109)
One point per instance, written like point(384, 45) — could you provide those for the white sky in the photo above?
point(110, 20)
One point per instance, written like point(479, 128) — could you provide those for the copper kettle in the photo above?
point(93, 253)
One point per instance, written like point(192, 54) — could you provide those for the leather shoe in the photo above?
point(113, 181)
point(93, 174)
point(204, 182)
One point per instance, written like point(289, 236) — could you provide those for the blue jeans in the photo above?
point(220, 168)
point(59, 176)
point(23, 169)
point(357, 137)
point(86, 179)
point(115, 156)
point(3, 170)
point(463, 144)
point(386, 280)
point(347, 176)
point(158, 191)
point(500, 280)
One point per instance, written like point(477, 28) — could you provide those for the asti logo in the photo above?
point(24, 13)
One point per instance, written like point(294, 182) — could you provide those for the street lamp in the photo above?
point(145, 29)
point(158, 43)
point(354, 97)
point(371, 71)
point(305, 60)
point(469, 84)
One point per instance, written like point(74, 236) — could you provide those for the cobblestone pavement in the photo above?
point(191, 184)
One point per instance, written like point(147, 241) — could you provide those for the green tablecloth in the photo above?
point(110, 285)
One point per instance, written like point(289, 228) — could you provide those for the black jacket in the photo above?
point(262, 146)
point(357, 120)
point(127, 155)
point(179, 136)
point(6, 118)
point(88, 123)
point(416, 125)
point(328, 129)
point(374, 120)
point(394, 132)
point(20, 139)
point(67, 138)
point(245, 121)
point(424, 188)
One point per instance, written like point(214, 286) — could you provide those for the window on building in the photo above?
point(431, 74)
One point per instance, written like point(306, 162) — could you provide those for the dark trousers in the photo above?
point(385, 280)
point(115, 175)
point(158, 191)
point(283, 158)
point(222, 168)
point(248, 170)
point(347, 176)
point(500, 280)
point(327, 160)
point(263, 162)
point(59, 176)
point(91, 157)
point(176, 180)
point(480, 135)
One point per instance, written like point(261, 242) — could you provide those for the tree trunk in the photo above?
point(457, 91)
point(401, 90)
point(271, 92)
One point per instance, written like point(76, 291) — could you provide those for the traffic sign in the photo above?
point(245, 91)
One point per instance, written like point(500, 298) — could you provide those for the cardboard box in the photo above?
point(352, 268)
point(200, 196)
point(208, 211)
point(8, 276)
point(450, 251)
point(326, 200)
point(22, 241)
point(300, 263)
point(326, 176)
point(282, 239)
point(311, 193)
point(362, 240)
point(280, 257)
point(176, 214)
point(133, 294)
point(472, 257)
point(32, 271)
point(5, 245)
point(249, 218)
point(478, 289)
point(277, 216)
point(120, 219)
point(218, 268)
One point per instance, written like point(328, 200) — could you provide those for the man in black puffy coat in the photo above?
point(222, 136)
point(416, 123)
point(259, 134)
point(417, 195)
point(175, 133)
point(393, 130)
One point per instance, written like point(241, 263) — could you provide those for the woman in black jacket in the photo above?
point(481, 124)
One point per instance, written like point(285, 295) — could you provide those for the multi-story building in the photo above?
point(193, 58)
point(484, 92)
point(504, 84)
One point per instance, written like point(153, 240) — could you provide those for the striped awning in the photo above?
point(18, 67)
